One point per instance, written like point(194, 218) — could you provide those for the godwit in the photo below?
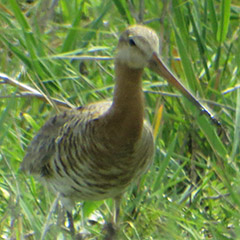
point(95, 152)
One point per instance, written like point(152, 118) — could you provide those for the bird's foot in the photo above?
point(111, 232)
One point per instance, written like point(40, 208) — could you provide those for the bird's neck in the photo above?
point(127, 111)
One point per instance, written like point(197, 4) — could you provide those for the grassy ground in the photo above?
point(192, 190)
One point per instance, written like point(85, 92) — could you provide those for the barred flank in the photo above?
point(96, 152)
point(79, 160)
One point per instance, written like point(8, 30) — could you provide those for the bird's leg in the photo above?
point(112, 227)
point(116, 210)
point(71, 223)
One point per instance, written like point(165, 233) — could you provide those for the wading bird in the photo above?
point(95, 152)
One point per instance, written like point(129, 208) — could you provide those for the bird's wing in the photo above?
point(43, 146)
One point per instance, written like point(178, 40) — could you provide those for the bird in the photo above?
point(96, 151)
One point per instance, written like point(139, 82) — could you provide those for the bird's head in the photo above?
point(136, 46)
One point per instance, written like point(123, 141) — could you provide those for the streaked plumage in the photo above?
point(79, 158)
point(95, 152)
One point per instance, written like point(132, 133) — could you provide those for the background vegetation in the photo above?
point(192, 190)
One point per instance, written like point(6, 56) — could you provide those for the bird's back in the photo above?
point(78, 156)
point(43, 145)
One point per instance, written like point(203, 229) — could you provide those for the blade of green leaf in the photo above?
point(3, 118)
point(123, 10)
point(90, 206)
point(164, 164)
point(17, 51)
point(93, 26)
point(236, 139)
point(212, 137)
point(72, 33)
point(213, 18)
point(199, 42)
point(179, 20)
point(186, 63)
point(19, 16)
point(224, 22)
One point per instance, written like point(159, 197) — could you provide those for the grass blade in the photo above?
point(236, 139)
point(224, 22)
point(213, 17)
point(72, 33)
point(124, 10)
point(165, 163)
point(199, 42)
point(186, 62)
point(212, 137)
point(19, 16)
point(158, 121)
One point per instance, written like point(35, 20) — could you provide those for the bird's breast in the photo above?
point(95, 165)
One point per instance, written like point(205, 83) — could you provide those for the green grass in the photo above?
point(192, 189)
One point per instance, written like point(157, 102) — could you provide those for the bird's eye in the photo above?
point(132, 42)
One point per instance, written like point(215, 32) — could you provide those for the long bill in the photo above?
point(160, 68)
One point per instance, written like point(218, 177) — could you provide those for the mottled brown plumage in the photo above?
point(96, 152)
point(84, 157)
